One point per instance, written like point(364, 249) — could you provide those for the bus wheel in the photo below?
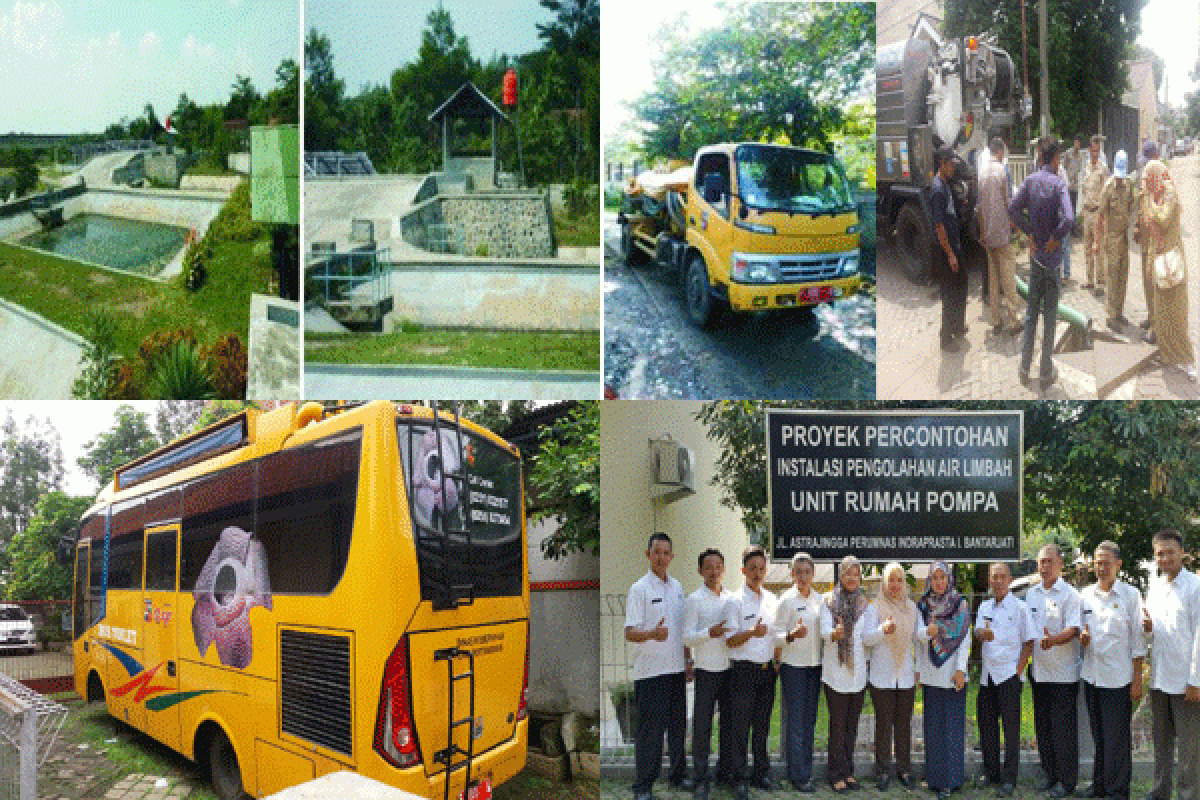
point(698, 294)
point(914, 244)
point(95, 689)
point(629, 251)
point(223, 766)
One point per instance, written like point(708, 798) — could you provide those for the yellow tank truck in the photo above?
point(750, 227)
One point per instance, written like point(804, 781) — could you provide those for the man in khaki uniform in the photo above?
point(1117, 209)
point(995, 231)
point(1149, 153)
point(1095, 173)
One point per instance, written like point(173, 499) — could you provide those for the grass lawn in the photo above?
point(582, 231)
point(70, 293)
point(530, 784)
point(516, 350)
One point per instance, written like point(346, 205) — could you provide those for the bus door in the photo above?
point(79, 618)
point(160, 623)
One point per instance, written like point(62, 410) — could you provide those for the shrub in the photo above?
point(195, 262)
point(100, 360)
point(179, 374)
point(226, 361)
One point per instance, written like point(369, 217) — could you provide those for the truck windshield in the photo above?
point(787, 179)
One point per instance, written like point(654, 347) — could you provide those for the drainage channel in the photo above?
point(391, 382)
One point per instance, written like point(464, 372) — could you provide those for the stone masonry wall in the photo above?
point(501, 225)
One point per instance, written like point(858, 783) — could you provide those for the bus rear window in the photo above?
point(491, 559)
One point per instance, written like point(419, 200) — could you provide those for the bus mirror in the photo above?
point(64, 554)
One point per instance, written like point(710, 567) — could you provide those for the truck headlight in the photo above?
point(850, 265)
point(747, 270)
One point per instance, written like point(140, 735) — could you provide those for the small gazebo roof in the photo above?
point(468, 101)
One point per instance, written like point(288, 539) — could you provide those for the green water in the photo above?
point(125, 244)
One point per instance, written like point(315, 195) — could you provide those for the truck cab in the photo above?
point(769, 228)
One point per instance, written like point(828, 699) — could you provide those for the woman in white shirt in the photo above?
point(943, 628)
point(799, 617)
point(890, 629)
point(844, 670)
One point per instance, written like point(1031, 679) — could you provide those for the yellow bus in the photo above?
point(292, 593)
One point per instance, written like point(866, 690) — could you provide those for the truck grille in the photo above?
point(315, 689)
point(810, 268)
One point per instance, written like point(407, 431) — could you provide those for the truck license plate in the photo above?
point(481, 792)
point(818, 294)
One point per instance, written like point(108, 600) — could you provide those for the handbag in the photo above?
point(1168, 269)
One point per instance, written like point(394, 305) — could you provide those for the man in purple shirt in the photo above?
point(1042, 209)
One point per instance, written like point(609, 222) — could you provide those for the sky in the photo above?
point(76, 66)
point(382, 35)
point(77, 424)
point(1169, 28)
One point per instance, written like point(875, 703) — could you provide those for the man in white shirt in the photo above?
point(704, 625)
point(1054, 608)
point(1173, 620)
point(1004, 626)
point(799, 618)
point(752, 642)
point(1113, 650)
point(654, 624)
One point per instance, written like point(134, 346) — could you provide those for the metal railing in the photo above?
point(29, 724)
point(357, 279)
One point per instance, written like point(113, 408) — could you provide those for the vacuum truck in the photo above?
point(749, 227)
point(932, 92)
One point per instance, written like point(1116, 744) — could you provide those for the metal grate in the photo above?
point(809, 268)
point(315, 702)
point(29, 724)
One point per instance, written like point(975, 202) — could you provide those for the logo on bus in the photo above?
point(141, 684)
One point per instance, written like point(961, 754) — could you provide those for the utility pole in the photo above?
point(1042, 56)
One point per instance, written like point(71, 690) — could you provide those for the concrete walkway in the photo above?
point(98, 171)
point(379, 382)
point(38, 359)
point(330, 206)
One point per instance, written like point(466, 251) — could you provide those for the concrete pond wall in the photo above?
point(166, 207)
point(498, 296)
point(486, 224)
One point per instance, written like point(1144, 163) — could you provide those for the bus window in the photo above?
point(80, 620)
point(494, 563)
point(160, 561)
point(210, 505)
point(125, 562)
point(306, 513)
point(96, 580)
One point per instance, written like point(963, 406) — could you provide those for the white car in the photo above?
point(16, 629)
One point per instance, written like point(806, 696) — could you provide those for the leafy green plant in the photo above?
point(482, 250)
point(180, 374)
point(194, 261)
point(100, 360)
point(226, 360)
point(566, 478)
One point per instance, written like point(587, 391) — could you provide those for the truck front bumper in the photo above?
point(778, 296)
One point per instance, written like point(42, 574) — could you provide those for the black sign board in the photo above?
point(895, 485)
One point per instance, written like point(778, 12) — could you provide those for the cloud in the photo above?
point(35, 29)
point(149, 45)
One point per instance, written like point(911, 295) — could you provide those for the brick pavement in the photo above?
point(911, 365)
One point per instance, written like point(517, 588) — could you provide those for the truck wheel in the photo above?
point(698, 294)
point(630, 253)
point(914, 244)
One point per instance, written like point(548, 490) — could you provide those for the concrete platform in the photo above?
point(38, 359)
point(330, 204)
point(273, 354)
point(391, 382)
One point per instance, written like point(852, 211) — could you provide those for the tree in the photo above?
point(566, 480)
point(26, 174)
point(1088, 41)
point(774, 72)
point(129, 438)
point(283, 102)
point(176, 418)
point(30, 465)
point(322, 94)
point(243, 99)
point(36, 573)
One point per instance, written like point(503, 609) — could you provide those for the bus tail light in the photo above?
point(395, 735)
point(523, 707)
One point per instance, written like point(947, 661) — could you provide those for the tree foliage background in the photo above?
point(1089, 41)
point(1092, 470)
point(788, 73)
point(558, 98)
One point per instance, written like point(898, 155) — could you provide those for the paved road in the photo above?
point(912, 366)
point(37, 362)
point(338, 382)
point(652, 351)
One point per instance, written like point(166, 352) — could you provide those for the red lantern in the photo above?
point(510, 88)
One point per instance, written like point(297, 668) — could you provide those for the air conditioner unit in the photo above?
point(672, 467)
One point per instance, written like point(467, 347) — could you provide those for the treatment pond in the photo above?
point(131, 245)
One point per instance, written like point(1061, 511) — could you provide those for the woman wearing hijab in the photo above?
point(844, 670)
point(890, 629)
point(944, 623)
point(1161, 228)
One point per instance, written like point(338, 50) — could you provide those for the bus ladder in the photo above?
point(450, 655)
point(453, 595)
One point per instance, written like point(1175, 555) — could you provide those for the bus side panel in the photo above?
point(280, 769)
point(121, 630)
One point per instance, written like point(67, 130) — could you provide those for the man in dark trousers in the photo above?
point(654, 625)
point(1042, 210)
point(949, 269)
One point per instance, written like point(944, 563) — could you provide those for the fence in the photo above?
point(29, 724)
point(48, 669)
point(617, 711)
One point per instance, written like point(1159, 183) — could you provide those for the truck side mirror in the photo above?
point(714, 187)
